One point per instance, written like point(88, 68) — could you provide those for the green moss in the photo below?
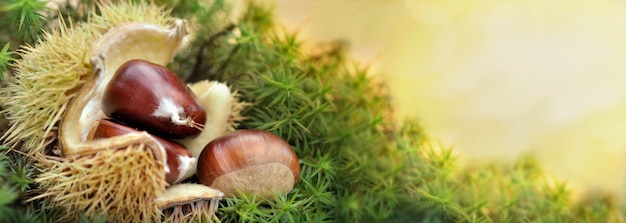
point(26, 19)
point(6, 58)
point(358, 164)
point(16, 178)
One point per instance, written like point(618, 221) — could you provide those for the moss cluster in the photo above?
point(358, 165)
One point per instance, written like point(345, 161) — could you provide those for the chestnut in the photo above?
point(249, 161)
point(151, 97)
point(179, 158)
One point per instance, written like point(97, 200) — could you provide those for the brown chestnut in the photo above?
point(179, 158)
point(151, 97)
point(249, 161)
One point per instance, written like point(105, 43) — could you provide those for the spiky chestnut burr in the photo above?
point(58, 86)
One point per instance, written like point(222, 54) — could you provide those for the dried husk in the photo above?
point(190, 203)
point(53, 100)
point(72, 183)
point(50, 73)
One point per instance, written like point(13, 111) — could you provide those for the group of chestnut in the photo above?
point(143, 96)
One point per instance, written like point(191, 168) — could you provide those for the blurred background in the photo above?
point(496, 78)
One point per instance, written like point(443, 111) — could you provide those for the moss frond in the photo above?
point(6, 58)
point(8, 193)
point(29, 17)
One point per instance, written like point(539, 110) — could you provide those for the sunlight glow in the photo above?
point(496, 79)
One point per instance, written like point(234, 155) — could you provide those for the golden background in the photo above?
point(496, 78)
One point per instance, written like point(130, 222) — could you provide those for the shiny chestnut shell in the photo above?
point(148, 96)
point(249, 161)
point(106, 129)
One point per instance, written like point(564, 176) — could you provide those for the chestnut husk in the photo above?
point(179, 158)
